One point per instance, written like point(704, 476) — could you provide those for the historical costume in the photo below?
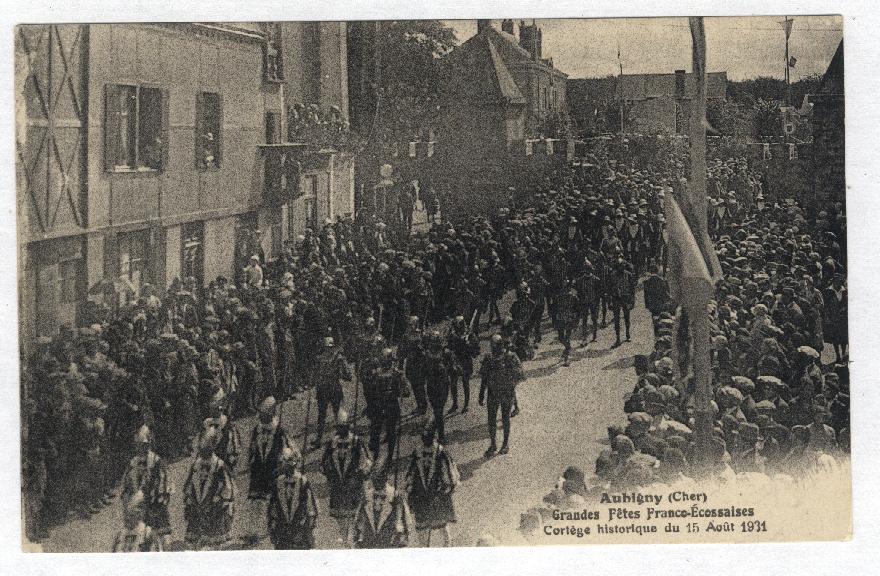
point(208, 496)
point(432, 477)
point(146, 474)
point(292, 511)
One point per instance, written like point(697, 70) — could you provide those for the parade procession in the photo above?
point(420, 286)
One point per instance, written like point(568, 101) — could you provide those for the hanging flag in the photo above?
point(786, 25)
point(691, 196)
point(792, 61)
point(688, 274)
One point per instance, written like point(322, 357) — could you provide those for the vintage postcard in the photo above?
point(427, 283)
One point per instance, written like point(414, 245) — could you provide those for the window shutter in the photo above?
point(165, 132)
point(112, 117)
point(200, 113)
point(218, 136)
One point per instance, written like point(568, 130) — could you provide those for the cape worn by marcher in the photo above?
point(383, 519)
point(345, 463)
point(267, 443)
point(208, 498)
point(148, 475)
point(432, 477)
point(292, 513)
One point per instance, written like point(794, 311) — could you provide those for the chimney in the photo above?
point(507, 26)
point(538, 52)
point(527, 39)
point(482, 25)
point(679, 84)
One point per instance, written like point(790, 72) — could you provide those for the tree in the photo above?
point(412, 72)
point(768, 118)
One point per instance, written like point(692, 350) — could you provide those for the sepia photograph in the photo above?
point(367, 284)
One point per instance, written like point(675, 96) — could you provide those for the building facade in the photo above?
point(503, 95)
point(141, 157)
point(639, 103)
point(829, 143)
point(661, 103)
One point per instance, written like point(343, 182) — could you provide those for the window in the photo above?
point(68, 281)
point(134, 125)
point(310, 201)
point(309, 209)
point(192, 259)
point(273, 68)
point(57, 295)
point(133, 259)
point(277, 240)
point(273, 128)
point(208, 137)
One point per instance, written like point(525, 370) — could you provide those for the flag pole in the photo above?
point(698, 299)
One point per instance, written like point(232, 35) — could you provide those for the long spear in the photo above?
point(357, 392)
point(306, 426)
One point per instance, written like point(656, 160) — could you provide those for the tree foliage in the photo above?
point(412, 73)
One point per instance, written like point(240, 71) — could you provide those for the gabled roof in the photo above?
point(506, 85)
point(832, 80)
point(479, 73)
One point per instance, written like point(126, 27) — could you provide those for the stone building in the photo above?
point(142, 154)
point(502, 95)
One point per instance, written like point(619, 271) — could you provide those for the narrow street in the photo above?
point(563, 421)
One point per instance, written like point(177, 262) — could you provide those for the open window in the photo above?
point(134, 128)
point(273, 67)
point(192, 257)
point(208, 127)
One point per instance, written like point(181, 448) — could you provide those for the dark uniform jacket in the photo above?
point(500, 373)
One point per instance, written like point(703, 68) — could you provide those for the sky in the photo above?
point(744, 47)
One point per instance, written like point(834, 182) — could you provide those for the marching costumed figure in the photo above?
point(146, 475)
point(228, 443)
point(346, 464)
point(268, 441)
point(137, 536)
point(208, 496)
point(432, 477)
point(292, 512)
point(383, 518)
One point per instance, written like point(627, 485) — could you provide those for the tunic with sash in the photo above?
point(267, 443)
point(432, 477)
point(383, 520)
point(292, 512)
point(148, 475)
point(345, 463)
point(208, 498)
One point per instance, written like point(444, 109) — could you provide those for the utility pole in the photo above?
point(619, 80)
point(786, 26)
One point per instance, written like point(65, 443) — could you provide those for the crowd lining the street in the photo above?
point(353, 300)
